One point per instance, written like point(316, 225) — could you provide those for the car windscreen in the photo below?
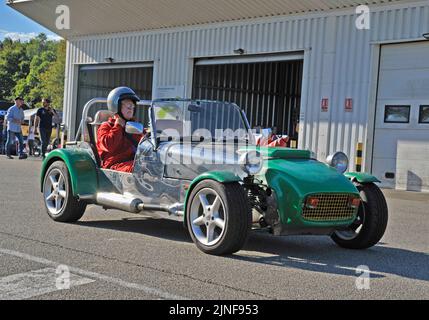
point(206, 119)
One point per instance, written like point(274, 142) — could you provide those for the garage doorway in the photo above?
point(401, 142)
point(97, 81)
point(268, 88)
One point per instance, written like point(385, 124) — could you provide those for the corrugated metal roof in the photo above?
point(92, 17)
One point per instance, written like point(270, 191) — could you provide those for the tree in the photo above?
point(32, 69)
point(53, 79)
point(12, 67)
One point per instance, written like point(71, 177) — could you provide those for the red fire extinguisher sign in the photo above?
point(325, 105)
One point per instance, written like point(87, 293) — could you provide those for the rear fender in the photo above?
point(81, 166)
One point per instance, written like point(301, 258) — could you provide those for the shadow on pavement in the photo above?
point(166, 229)
point(321, 254)
point(317, 254)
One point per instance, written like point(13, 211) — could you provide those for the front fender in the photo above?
point(219, 176)
point(361, 177)
point(81, 166)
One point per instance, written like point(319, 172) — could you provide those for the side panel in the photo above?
point(81, 166)
point(294, 180)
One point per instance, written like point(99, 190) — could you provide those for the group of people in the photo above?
point(12, 128)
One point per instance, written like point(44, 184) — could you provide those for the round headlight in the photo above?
point(251, 162)
point(339, 161)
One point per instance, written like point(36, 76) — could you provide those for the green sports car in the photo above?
point(199, 164)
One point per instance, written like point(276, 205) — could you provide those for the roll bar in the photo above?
point(82, 130)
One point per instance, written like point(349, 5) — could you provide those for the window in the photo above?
point(424, 114)
point(397, 114)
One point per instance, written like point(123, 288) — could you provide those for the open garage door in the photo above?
point(401, 146)
point(97, 81)
point(268, 88)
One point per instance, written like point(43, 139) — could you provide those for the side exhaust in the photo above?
point(117, 201)
point(135, 205)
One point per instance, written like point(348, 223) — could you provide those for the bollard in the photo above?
point(359, 157)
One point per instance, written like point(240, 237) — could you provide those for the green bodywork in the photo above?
point(361, 177)
point(293, 180)
point(81, 166)
point(218, 176)
point(291, 174)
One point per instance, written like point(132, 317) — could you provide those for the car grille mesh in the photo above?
point(331, 207)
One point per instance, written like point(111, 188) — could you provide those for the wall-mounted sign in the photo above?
point(170, 92)
point(325, 105)
point(349, 105)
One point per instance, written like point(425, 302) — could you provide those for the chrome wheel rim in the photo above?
point(208, 217)
point(55, 193)
point(353, 231)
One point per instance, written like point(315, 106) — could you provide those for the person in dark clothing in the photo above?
point(1, 134)
point(44, 124)
point(4, 136)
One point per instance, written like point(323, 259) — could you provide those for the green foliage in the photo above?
point(33, 69)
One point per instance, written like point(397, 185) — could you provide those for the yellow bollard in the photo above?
point(359, 157)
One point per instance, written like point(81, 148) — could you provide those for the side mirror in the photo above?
point(266, 133)
point(134, 128)
point(194, 108)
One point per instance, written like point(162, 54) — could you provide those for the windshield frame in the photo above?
point(152, 116)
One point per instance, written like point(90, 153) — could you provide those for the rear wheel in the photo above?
point(218, 217)
point(60, 203)
point(371, 222)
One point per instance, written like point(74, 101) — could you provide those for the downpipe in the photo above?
point(135, 205)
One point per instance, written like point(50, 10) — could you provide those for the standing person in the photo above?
point(1, 133)
point(15, 118)
point(44, 123)
point(4, 134)
point(30, 140)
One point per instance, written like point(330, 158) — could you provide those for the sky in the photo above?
point(16, 26)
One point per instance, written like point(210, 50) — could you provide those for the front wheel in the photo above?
point(371, 222)
point(218, 217)
point(60, 203)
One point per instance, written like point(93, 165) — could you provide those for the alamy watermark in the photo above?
point(363, 21)
point(62, 281)
point(363, 281)
point(63, 17)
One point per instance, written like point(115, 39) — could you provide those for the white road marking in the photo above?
point(277, 260)
point(94, 275)
point(34, 283)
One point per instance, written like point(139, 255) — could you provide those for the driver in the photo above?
point(117, 148)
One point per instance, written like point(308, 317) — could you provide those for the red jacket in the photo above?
point(273, 141)
point(113, 146)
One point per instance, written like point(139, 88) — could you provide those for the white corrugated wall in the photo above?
point(338, 61)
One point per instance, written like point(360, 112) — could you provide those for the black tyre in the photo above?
point(371, 224)
point(218, 217)
point(58, 197)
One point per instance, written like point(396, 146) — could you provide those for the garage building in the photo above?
point(329, 76)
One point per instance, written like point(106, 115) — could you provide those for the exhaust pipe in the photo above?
point(135, 205)
point(116, 201)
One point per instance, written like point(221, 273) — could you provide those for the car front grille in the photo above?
point(331, 207)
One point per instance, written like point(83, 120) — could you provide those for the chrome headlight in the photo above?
point(251, 162)
point(339, 161)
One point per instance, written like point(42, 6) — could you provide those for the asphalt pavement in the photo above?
point(112, 255)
